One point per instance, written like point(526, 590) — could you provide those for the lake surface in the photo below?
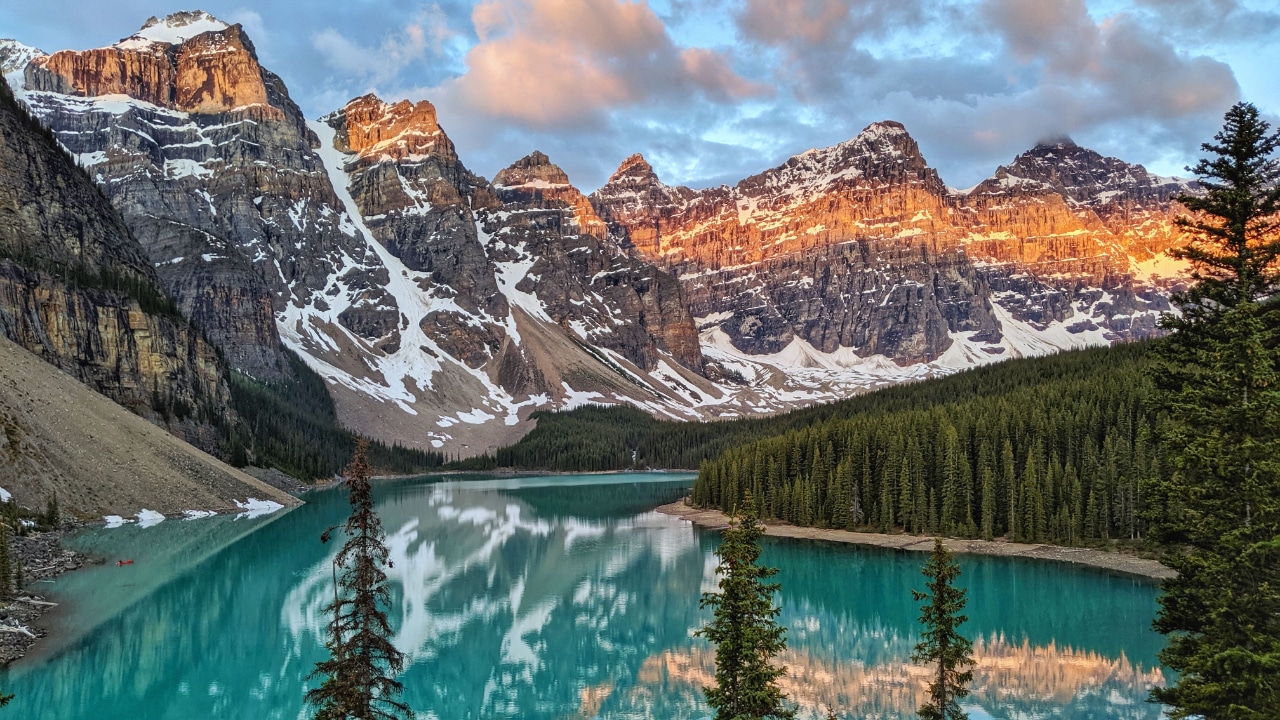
point(562, 597)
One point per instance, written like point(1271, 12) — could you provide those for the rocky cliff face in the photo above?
point(77, 289)
point(1070, 236)
point(212, 166)
point(508, 293)
point(189, 62)
point(583, 282)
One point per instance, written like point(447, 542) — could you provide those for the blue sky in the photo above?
point(714, 90)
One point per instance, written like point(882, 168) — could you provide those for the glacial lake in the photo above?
point(556, 597)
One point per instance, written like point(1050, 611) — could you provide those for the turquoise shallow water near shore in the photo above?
point(557, 597)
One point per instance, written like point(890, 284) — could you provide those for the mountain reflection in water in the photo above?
point(569, 598)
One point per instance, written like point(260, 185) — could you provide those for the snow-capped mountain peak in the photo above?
point(430, 298)
point(14, 57)
point(174, 29)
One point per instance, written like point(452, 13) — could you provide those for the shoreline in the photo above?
point(1090, 557)
point(24, 618)
point(43, 558)
point(521, 472)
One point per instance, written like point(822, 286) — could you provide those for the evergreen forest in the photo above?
point(1052, 449)
point(598, 438)
point(1048, 450)
point(292, 425)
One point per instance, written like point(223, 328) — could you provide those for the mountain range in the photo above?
point(443, 308)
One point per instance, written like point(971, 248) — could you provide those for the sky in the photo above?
point(712, 91)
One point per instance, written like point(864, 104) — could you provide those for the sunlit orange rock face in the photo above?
point(394, 130)
point(876, 186)
point(849, 246)
point(212, 72)
point(1060, 201)
point(534, 179)
point(862, 246)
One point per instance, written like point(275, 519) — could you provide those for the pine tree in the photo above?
point(6, 569)
point(1218, 383)
point(952, 497)
point(1010, 483)
point(359, 676)
point(744, 628)
point(988, 504)
point(52, 517)
point(941, 641)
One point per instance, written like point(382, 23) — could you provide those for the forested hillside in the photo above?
point(1057, 452)
point(1044, 448)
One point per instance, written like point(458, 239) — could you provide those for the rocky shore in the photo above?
point(1109, 561)
point(43, 558)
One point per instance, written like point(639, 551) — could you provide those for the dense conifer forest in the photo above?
point(292, 426)
point(1051, 449)
point(1057, 450)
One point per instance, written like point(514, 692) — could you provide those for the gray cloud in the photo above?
point(1199, 20)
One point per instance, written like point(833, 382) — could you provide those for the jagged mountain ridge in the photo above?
point(859, 250)
point(431, 298)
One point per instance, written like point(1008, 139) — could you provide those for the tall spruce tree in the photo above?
point(1217, 381)
point(941, 642)
point(359, 678)
point(744, 627)
point(6, 567)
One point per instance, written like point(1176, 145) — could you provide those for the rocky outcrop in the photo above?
point(77, 290)
point(582, 281)
point(213, 168)
point(189, 62)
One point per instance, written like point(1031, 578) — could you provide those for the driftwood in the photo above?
point(16, 629)
point(33, 601)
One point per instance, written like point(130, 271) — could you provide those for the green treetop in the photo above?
point(1234, 243)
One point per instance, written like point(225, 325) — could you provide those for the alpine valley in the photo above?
point(443, 308)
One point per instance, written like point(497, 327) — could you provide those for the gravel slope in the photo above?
point(57, 435)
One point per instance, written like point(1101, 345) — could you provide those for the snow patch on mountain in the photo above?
point(402, 375)
point(14, 58)
point(174, 29)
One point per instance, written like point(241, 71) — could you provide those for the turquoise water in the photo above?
point(556, 598)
